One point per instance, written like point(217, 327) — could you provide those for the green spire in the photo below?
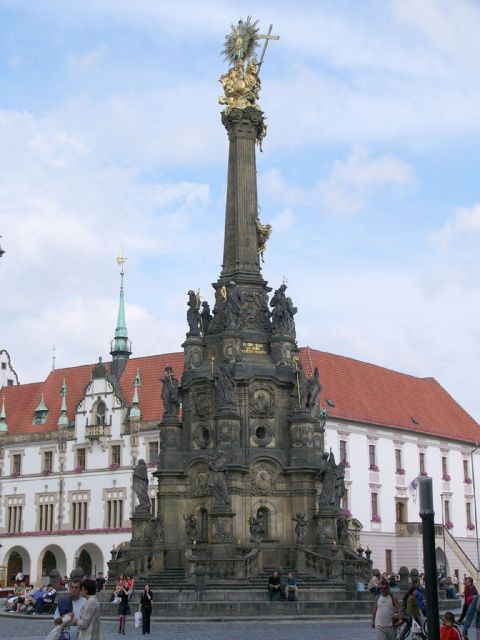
point(3, 418)
point(41, 405)
point(135, 413)
point(120, 346)
point(63, 420)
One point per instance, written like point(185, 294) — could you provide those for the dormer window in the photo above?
point(100, 412)
point(41, 413)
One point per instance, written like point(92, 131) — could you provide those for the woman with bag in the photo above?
point(146, 608)
point(123, 607)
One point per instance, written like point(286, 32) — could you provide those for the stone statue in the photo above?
point(340, 489)
point(225, 386)
point(263, 234)
point(300, 526)
point(190, 526)
point(327, 474)
point(170, 394)
point(205, 317)
point(283, 312)
point(233, 306)
point(257, 526)
point(193, 313)
point(313, 395)
point(217, 324)
point(217, 481)
point(342, 530)
point(140, 487)
point(302, 384)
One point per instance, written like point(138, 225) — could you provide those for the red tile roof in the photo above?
point(361, 392)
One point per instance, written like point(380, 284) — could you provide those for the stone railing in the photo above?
point(223, 569)
point(139, 565)
point(307, 560)
point(411, 529)
point(363, 568)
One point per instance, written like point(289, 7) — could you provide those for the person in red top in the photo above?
point(469, 594)
point(448, 631)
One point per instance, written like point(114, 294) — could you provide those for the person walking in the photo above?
point(385, 608)
point(469, 593)
point(73, 603)
point(146, 608)
point(472, 619)
point(123, 607)
point(88, 625)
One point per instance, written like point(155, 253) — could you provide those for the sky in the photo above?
point(111, 140)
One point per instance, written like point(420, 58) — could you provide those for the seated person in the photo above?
point(291, 587)
point(275, 586)
point(48, 597)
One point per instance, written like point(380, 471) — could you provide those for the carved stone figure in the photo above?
point(140, 487)
point(225, 386)
point(205, 317)
point(283, 312)
point(327, 476)
point(217, 481)
point(170, 394)
point(300, 526)
point(190, 526)
point(218, 321)
point(342, 530)
point(262, 401)
point(234, 306)
point(193, 314)
point(257, 526)
point(313, 392)
point(302, 384)
point(340, 489)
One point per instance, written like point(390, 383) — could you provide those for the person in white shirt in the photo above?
point(74, 602)
point(386, 608)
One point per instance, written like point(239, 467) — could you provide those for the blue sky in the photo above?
point(110, 137)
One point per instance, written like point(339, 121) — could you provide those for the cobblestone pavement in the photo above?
point(28, 629)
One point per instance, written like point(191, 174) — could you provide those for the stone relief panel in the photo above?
point(262, 400)
point(199, 476)
point(193, 357)
point(202, 435)
point(202, 402)
point(263, 476)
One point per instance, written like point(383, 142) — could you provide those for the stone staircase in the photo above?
point(174, 598)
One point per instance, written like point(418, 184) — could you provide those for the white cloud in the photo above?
point(352, 183)
point(464, 222)
point(284, 221)
point(89, 60)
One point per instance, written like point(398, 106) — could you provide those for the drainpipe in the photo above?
point(475, 503)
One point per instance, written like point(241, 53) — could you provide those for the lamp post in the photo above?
point(475, 503)
point(427, 513)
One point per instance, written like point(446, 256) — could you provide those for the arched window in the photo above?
point(263, 517)
point(100, 412)
point(203, 524)
point(400, 512)
point(49, 563)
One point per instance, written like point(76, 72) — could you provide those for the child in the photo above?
point(448, 631)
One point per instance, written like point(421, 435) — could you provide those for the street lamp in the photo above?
point(427, 513)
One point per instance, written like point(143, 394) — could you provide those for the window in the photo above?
point(4, 365)
point(79, 509)
point(17, 464)
point(421, 459)
point(100, 412)
point(116, 454)
point(14, 518)
point(374, 500)
point(372, 456)
point(400, 512)
point(446, 509)
point(466, 475)
point(444, 466)
point(81, 459)
point(153, 451)
point(398, 459)
point(343, 451)
point(469, 514)
point(14, 513)
point(45, 512)
point(9, 383)
point(115, 511)
point(47, 461)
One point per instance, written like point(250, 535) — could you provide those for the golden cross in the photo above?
point(121, 261)
point(266, 37)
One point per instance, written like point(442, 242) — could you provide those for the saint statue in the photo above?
point(140, 487)
point(313, 395)
point(263, 234)
point(300, 526)
point(193, 313)
point(234, 305)
point(170, 394)
point(205, 317)
point(283, 312)
point(217, 481)
point(257, 525)
point(342, 530)
point(332, 476)
point(225, 386)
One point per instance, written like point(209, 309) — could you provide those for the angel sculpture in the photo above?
point(263, 234)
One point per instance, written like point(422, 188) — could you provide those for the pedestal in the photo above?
point(170, 443)
point(142, 529)
point(222, 527)
point(194, 349)
point(326, 528)
point(302, 431)
point(228, 432)
point(283, 348)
